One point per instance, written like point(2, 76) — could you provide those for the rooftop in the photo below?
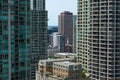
point(71, 54)
point(53, 60)
point(66, 63)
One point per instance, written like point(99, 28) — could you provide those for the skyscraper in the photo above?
point(65, 26)
point(38, 33)
point(83, 33)
point(105, 40)
point(14, 40)
point(74, 33)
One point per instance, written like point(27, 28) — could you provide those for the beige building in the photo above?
point(45, 66)
point(67, 70)
point(83, 33)
point(58, 69)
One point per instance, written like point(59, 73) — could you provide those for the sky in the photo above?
point(55, 7)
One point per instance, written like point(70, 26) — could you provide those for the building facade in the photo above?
point(83, 33)
point(38, 4)
point(67, 70)
point(56, 41)
point(52, 29)
point(38, 34)
point(65, 26)
point(45, 66)
point(74, 33)
point(105, 40)
point(66, 55)
point(58, 69)
point(14, 40)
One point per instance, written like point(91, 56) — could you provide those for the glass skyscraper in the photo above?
point(74, 33)
point(38, 34)
point(14, 39)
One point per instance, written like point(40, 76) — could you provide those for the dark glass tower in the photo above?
point(14, 40)
point(74, 33)
point(39, 34)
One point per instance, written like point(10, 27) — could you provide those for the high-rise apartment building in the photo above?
point(105, 40)
point(65, 26)
point(38, 34)
point(14, 39)
point(83, 33)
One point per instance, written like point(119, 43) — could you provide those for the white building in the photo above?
point(56, 41)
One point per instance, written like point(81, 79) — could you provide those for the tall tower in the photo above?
point(105, 40)
point(74, 33)
point(39, 34)
point(14, 40)
point(65, 26)
point(83, 33)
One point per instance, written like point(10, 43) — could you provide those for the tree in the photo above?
point(83, 73)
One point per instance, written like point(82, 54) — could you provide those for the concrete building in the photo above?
point(47, 65)
point(65, 26)
point(83, 33)
point(48, 69)
point(67, 70)
point(14, 40)
point(105, 39)
point(38, 34)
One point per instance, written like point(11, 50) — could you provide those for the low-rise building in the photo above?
point(66, 55)
point(67, 70)
point(58, 69)
point(45, 66)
